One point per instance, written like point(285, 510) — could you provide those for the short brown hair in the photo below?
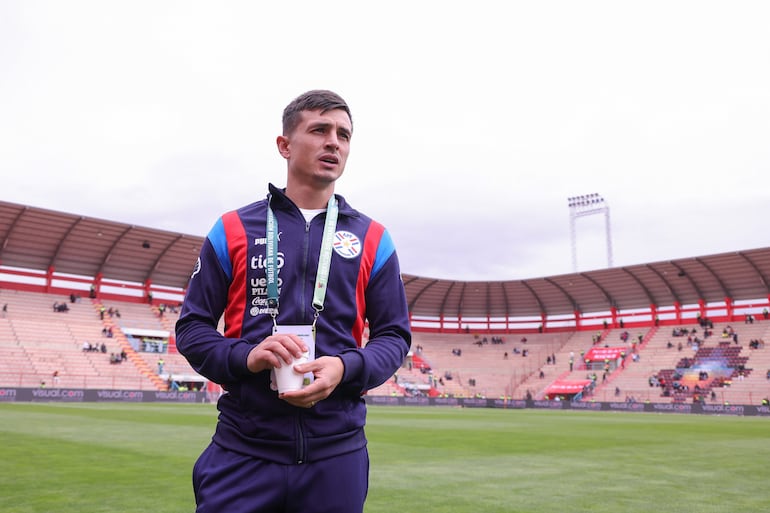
point(317, 99)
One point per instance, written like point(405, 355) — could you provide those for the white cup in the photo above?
point(287, 379)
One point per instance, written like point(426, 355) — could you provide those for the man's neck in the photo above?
point(308, 197)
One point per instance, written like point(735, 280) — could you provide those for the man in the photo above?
point(300, 272)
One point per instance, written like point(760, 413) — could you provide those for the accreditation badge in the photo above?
point(305, 333)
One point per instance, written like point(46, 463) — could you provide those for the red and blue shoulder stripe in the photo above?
point(377, 249)
point(228, 238)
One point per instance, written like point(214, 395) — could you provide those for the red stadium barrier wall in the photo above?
point(659, 315)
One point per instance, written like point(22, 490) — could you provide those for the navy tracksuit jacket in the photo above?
point(230, 279)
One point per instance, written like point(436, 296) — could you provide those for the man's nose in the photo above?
point(332, 141)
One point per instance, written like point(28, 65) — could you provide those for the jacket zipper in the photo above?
point(303, 301)
point(300, 441)
point(306, 258)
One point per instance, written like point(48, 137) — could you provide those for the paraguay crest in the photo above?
point(346, 244)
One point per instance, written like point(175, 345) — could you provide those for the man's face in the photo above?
point(318, 148)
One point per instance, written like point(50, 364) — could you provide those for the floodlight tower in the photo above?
point(585, 205)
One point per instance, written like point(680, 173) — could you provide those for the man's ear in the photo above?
point(283, 146)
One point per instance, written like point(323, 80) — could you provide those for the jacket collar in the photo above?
point(281, 201)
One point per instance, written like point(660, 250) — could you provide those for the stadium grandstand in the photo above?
point(90, 305)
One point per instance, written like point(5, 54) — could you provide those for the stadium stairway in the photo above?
point(628, 369)
point(168, 320)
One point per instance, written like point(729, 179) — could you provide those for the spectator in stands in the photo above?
point(5, 310)
point(252, 450)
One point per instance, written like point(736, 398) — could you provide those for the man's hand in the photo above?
point(275, 351)
point(327, 372)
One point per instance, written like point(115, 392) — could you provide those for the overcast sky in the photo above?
point(473, 121)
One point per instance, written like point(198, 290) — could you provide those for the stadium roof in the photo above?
point(39, 239)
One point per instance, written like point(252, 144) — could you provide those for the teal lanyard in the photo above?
point(324, 260)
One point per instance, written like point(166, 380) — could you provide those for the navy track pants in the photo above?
point(229, 482)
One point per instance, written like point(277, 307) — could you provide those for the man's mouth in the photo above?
point(330, 159)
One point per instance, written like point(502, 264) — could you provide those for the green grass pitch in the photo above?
point(125, 458)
